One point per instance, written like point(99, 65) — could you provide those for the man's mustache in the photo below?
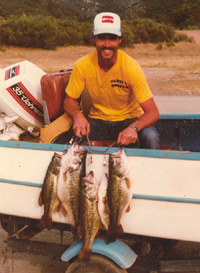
point(107, 48)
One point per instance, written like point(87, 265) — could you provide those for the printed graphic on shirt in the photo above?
point(12, 72)
point(119, 83)
point(19, 92)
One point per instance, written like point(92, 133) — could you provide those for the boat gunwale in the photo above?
point(168, 154)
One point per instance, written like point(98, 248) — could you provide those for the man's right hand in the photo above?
point(81, 126)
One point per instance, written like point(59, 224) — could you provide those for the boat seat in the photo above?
point(53, 92)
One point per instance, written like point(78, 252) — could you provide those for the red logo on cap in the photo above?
point(107, 19)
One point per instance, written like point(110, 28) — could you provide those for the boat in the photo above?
point(166, 192)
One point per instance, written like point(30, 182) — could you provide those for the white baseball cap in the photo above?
point(107, 22)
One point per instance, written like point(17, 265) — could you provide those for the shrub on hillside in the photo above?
point(128, 38)
point(44, 32)
point(74, 33)
point(35, 32)
point(181, 37)
point(148, 31)
point(49, 32)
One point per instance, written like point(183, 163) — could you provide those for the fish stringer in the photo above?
point(101, 151)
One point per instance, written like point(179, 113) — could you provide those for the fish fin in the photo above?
point(128, 183)
point(64, 211)
point(84, 255)
point(128, 208)
point(98, 234)
point(57, 171)
point(64, 177)
point(102, 226)
point(40, 200)
point(57, 207)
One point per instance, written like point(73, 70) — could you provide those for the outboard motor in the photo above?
point(20, 97)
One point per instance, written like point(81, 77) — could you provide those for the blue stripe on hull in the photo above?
point(135, 196)
point(22, 183)
point(182, 116)
point(166, 198)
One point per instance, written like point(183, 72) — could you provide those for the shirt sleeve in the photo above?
point(140, 86)
point(76, 83)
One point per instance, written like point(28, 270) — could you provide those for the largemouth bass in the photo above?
point(89, 216)
point(103, 207)
point(48, 196)
point(71, 171)
point(119, 192)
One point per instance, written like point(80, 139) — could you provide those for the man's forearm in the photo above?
point(145, 120)
point(81, 126)
point(150, 115)
point(71, 107)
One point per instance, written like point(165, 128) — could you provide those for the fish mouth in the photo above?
point(78, 148)
point(65, 152)
point(87, 181)
point(91, 175)
point(118, 154)
point(59, 156)
point(115, 156)
point(89, 178)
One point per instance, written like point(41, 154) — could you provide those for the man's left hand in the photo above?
point(127, 136)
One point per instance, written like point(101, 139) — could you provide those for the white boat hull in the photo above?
point(166, 191)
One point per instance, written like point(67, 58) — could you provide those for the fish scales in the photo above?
point(72, 195)
point(48, 196)
point(89, 215)
point(119, 192)
point(72, 169)
point(119, 199)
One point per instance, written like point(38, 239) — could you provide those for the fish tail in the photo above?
point(84, 255)
point(74, 231)
point(49, 224)
point(45, 223)
point(113, 232)
point(119, 230)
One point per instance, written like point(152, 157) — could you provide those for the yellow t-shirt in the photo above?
point(116, 94)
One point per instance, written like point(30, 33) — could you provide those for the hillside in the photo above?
point(38, 7)
point(179, 13)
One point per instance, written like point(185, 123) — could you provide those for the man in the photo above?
point(123, 107)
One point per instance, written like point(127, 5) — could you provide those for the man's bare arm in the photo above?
point(81, 126)
point(149, 117)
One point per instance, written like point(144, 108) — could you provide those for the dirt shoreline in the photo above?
point(172, 70)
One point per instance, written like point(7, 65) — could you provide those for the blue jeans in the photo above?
point(103, 129)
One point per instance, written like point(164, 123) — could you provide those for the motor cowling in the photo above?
point(20, 95)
